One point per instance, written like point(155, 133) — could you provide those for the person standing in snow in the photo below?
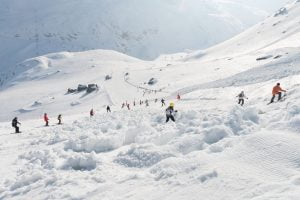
point(241, 97)
point(15, 123)
point(162, 102)
point(108, 109)
point(170, 113)
point(178, 97)
point(128, 106)
point(59, 118)
point(277, 90)
point(92, 112)
point(46, 119)
point(147, 103)
point(123, 105)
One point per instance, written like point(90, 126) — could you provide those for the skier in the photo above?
point(128, 106)
point(92, 113)
point(277, 90)
point(134, 103)
point(46, 119)
point(147, 103)
point(108, 109)
point(123, 105)
point(15, 123)
point(59, 119)
point(162, 102)
point(155, 101)
point(170, 113)
point(178, 97)
point(241, 97)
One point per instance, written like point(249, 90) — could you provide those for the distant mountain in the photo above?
point(144, 29)
point(278, 32)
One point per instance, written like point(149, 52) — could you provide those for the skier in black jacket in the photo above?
point(15, 123)
point(242, 98)
point(170, 113)
point(108, 109)
point(162, 102)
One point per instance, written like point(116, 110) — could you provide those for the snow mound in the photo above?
point(243, 121)
point(59, 160)
point(141, 156)
point(172, 166)
point(61, 55)
point(81, 162)
point(215, 134)
point(96, 144)
point(207, 176)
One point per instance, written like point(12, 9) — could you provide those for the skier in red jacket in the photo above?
point(46, 119)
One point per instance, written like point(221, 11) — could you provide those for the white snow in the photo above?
point(215, 150)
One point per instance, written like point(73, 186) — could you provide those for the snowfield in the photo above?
point(216, 150)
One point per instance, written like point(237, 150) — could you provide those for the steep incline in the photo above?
point(277, 32)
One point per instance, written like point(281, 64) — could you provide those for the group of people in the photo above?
point(15, 122)
point(141, 102)
point(46, 119)
point(170, 111)
point(277, 90)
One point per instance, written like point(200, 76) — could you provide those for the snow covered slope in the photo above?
point(278, 31)
point(215, 150)
point(143, 29)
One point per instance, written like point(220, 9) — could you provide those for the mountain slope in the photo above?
point(278, 31)
point(136, 28)
point(216, 149)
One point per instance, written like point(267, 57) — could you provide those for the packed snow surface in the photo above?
point(215, 150)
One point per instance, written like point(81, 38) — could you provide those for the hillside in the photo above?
point(215, 150)
point(137, 28)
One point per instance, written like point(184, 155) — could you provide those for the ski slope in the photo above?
point(215, 150)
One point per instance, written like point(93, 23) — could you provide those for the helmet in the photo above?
point(172, 104)
point(278, 83)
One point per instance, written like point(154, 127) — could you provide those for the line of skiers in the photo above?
point(141, 102)
point(170, 112)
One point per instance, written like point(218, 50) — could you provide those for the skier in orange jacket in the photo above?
point(277, 90)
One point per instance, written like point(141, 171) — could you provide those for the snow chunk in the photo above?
point(94, 144)
point(242, 121)
point(141, 156)
point(46, 158)
point(83, 162)
point(207, 176)
point(215, 134)
point(187, 144)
